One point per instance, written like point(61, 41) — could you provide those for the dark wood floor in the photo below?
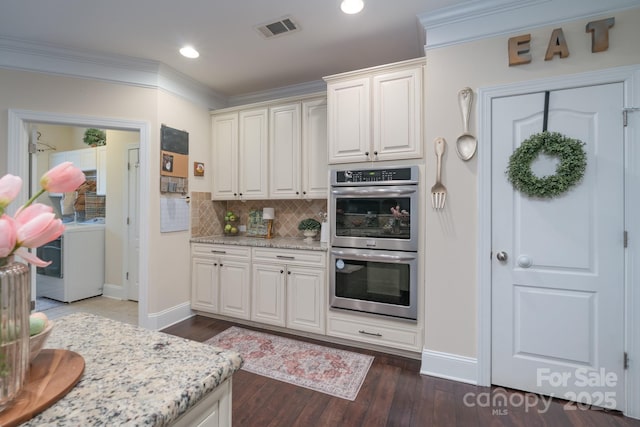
point(393, 394)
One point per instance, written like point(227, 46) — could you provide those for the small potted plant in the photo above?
point(95, 137)
point(309, 228)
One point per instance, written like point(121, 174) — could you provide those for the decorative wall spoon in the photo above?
point(466, 143)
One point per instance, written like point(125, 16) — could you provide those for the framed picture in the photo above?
point(167, 162)
point(198, 169)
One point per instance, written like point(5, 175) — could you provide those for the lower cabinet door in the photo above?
point(268, 294)
point(305, 299)
point(234, 282)
point(204, 286)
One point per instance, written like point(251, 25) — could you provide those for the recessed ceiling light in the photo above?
point(189, 52)
point(351, 6)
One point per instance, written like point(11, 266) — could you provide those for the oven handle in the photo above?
point(371, 191)
point(372, 257)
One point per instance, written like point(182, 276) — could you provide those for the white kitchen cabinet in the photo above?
point(349, 120)
point(314, 170)
point(204, 284)
point(268, 283)
point(213, 410)
point(220, 279)
point(284, 151)
point(240, 143)
point(397, 334)
point(271, 150)
point(84, 158)
point(289, 288)
point(298, 150)
point(376, 114)
point(224, 131)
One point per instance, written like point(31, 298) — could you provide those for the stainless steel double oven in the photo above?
point(374, 241)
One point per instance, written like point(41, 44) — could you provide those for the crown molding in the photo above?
point(277, 93)
point(28, 56)
point(479, 19)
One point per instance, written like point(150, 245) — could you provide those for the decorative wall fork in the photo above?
point(439, 191)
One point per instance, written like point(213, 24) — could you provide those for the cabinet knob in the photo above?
point(215, 264)
point(235, 194)
point(375, 153)
point(220, 264)
point(366, 153)
point(297, 192)
point(304, 192)
point(240, 194)
point(288, 272)
point(281, 271)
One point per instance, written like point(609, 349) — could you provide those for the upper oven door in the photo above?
point(375, 216)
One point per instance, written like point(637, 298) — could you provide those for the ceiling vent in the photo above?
point(280, 27)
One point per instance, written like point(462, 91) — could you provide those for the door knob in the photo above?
point(502, 256)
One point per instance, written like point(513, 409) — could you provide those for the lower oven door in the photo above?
point(375, 281)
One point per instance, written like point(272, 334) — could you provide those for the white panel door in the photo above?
point(133, 221)
point(557, 300)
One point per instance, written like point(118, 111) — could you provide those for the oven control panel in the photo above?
point(381, 176)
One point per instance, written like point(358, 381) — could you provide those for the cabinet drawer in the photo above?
point(375, 332)
point(298, 257)
point(221, 250)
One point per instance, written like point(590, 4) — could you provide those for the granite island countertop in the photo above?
point(132, 376)
point(276, 242)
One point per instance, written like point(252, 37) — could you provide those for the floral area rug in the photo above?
point(332, 371)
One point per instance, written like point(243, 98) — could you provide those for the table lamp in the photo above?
point(269, 215)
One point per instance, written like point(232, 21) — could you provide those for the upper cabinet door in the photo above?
point(376, 114)
point(284, 179)
point(253, 160)
point(315, 175)
point(225, 156)
point(349, 120)
point(397, 114)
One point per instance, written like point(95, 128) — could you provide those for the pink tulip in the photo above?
point(26, 214)
point(8, 235)
point(63, 178)
point(31, 258)
point(9, 189)
point(37, 225)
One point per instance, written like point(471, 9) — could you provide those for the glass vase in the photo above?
point(15, 307)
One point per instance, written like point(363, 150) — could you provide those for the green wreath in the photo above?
point(570, 170)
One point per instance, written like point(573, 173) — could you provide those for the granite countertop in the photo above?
point(132, 376)
point(276, 242)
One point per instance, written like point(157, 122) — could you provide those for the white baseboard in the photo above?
point(168, 317)
point(114, 291)
point(449, 366)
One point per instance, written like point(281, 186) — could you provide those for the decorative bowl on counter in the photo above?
point(36, 342)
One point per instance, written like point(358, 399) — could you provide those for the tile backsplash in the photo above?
point(207, 217)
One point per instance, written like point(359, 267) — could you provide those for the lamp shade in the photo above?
point(268, 213)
